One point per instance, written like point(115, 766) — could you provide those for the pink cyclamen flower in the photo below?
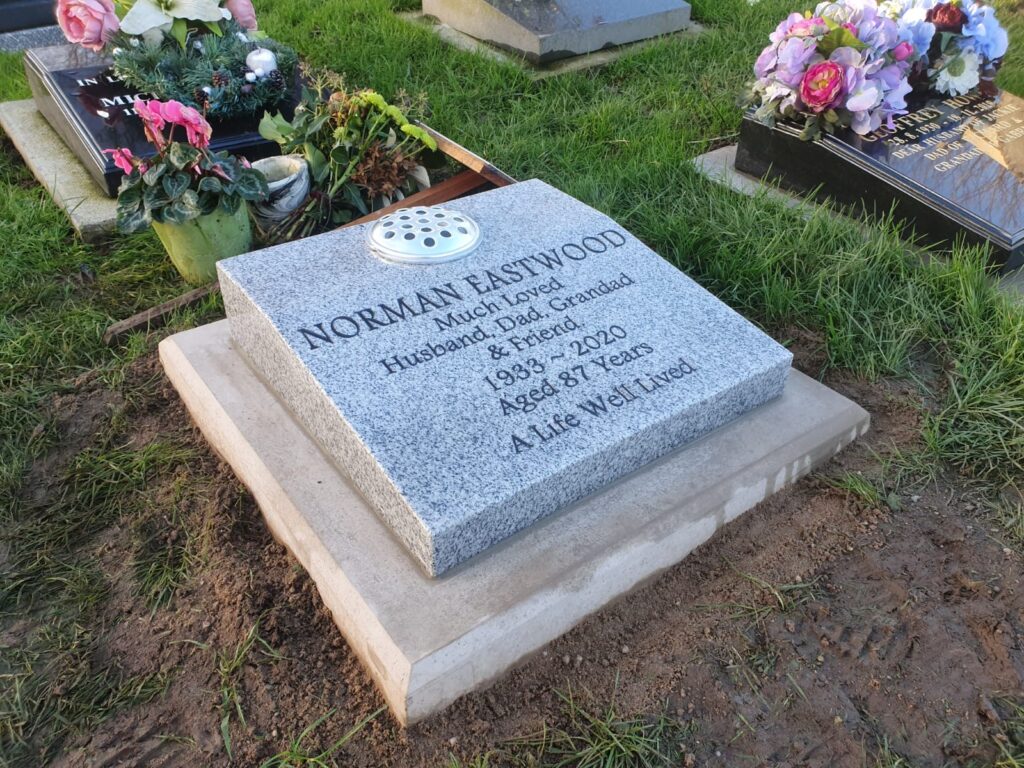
point(88, 23)
point(122, 158)
point(903, 51)
point(822, 86)
point(196, 128)
point(152, 120)
point(242, 12)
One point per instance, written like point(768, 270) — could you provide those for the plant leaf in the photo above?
point(274, 127)
point(175, 184)
point(210, 184)
point(840, 37)
point(179, 31)
point(318, 165)
point(182, 155)
point(355, 198)
point(132, 218)
point(152, 175)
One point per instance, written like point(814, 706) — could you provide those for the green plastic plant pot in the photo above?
point(196, 246)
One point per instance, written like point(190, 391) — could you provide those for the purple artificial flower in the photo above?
point(794, 57)
point(785, 25)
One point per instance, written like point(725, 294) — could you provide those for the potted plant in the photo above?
point(195, 199)
point(206, 54)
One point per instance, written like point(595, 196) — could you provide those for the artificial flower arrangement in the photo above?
point(207, 54)
point(363, 154)
point(195, 199)
point(852, 63)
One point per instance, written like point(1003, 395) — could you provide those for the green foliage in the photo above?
point(1009, 732)
point(182, 183)
point(839, 37)
point(207, 71)
point(298, 753)
point(361, 153)
point(603, 739)
point(51, 688)
point(229, 662)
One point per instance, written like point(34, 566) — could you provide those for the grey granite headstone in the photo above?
point(545, 30)
point(469, 399)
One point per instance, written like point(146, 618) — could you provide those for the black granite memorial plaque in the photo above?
point(953, 167)
point(91, 111)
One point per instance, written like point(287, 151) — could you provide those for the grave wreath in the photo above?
point(206, 54)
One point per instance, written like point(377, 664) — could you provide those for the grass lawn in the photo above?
point(109, 500)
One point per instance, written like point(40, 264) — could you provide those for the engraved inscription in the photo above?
point(544, 365)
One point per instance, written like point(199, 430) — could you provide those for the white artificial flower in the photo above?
point(145, 15)
point(957, 73)
point(891, 9)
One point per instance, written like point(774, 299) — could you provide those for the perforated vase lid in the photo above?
point(427, 235)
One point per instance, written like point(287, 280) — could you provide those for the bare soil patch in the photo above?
point(809, 632)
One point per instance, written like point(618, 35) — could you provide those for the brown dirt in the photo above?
point(909, 625)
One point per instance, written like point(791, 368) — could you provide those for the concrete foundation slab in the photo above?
point(428, 641)
point(92, 213)
point(720, 165)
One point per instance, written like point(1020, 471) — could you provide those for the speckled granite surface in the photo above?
point(469, 399)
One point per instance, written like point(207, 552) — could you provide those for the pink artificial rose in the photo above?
point(822, 86)
point(242, 12)
point(808, 27)
point(903, 51)
point(122, 158)
point(89, 23)
point(196, 128)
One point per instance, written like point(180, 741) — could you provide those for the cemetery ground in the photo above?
point(872, 615)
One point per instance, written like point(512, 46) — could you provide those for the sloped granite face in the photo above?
point(547, 30)
point(467, 400)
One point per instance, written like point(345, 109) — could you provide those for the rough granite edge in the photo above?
point(326, 425)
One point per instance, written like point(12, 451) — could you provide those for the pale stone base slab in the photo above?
point(720, 165)
point(92, 213)
point(428, 641)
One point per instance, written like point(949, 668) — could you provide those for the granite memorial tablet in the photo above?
point(91, 111)
point(953, 167)
point(545, 354)
point(546, 30)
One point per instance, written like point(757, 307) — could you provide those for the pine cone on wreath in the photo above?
point(276, 78)
point(221, 78)
point(200, 96)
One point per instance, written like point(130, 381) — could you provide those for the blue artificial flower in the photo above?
point(983, 34)
point(916, 30)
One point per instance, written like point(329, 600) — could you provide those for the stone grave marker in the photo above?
point(470, 398)
point(547, 30)
point(953, 167)
point(477, 429)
